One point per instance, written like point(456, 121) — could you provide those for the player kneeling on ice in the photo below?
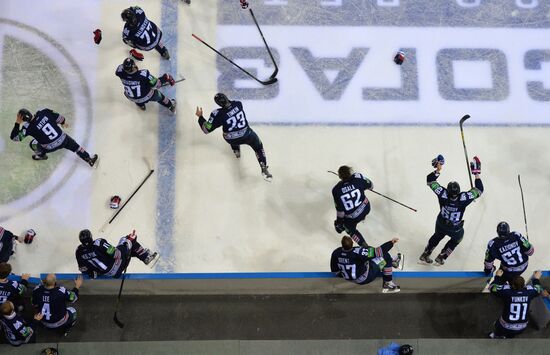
point(16, 329)
point(43, 126)
point(51, 301)
point(516, 299)
point(512, 249)
point(452, 205)
point(352, 206)
point(140, 86)
point(99, 258)
point(363, 265)
point(236, 131)
point(140, 32)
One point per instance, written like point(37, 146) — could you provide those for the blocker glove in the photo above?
point(475, 166)
point(438, 159)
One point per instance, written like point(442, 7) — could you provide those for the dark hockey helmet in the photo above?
point(503, 229)
point(222, 100)
point(25, 114)
point(405, 349)
point(129, 16)
point(129, 65)
point(85, 237)
point(453, 189)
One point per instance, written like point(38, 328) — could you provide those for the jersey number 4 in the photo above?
point(351, 200)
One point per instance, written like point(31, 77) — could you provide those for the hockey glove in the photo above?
point(489, 271)
point(339, 225)
point(97, 36)
point(244, 4)
point(166, 79)
point(439, 159)
point(475, 166)
point(136, 55)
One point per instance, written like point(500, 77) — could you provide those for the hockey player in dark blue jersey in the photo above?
point(140, 32)
point(352, 206)
point(99, 258)
point(452, 204)
point(16, 329)
point(517, 298)
point(140, 86)
point(236, 131)
point(7, 239)
point(363, 265)
point(11, 290)
point(43, 126)
point(51, 300)
point(512, 249)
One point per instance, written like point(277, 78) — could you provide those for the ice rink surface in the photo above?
point(340, 99)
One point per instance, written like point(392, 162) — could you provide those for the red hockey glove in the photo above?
point(136, 55)
point(244, 4)
point(97, 36)
point(475, 166)
point(167, 79)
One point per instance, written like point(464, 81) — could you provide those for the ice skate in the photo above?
point(151, 259)
point(425, 258)
point(172, 107)
point(165, 54)
point(390, 287)
point(265, 173)
point(92, 160)
point(398, 262)
point(39, 157)
point(237, 153)
point(188, 2)
point(142, 107)
point(440, 260)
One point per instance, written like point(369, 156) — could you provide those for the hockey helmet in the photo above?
point(503, 229)
point(453, 189)
point(85, 237)
point(222, 100)
point(406, 349)
point(129, 65)
point(26, 115)
point(129, 16)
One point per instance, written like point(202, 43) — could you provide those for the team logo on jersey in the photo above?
point(37, 72)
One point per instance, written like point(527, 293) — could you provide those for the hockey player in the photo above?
point(452, 205)
point(517, 298)
point(51, 300)
point(140, 86)
point(236, 131)
point(43, 126)
point(99, 258)
point(11, 290)
point(16, 329)
point(352, 206)
point(363, 265)
point(6, 245)
point(140, 32)
point(512, 249)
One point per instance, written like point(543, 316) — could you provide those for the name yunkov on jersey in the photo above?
point(232, 120)
point(52, 303)
point(452, 211)
point(513, 252)
point(516, 303)
point(138, 86)
point(349, 196)
point(145, 35)
point(44, 128)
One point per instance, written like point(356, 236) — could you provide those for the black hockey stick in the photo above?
point(464, 118)
point(266, 82)
point(115, 317)
point(266, 47)
point(523, 205)
point(132, 195)
point(378, 193)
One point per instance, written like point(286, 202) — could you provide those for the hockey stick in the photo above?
point(175, 82)
point(115, 317)
point(266, 47)
point(266, 82)
point(132, 195)
point(523, 205)
point(378, 193)
point(464, 118)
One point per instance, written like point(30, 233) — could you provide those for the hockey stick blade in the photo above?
point(263, 82)
point(464, 118)
point(118, 322)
